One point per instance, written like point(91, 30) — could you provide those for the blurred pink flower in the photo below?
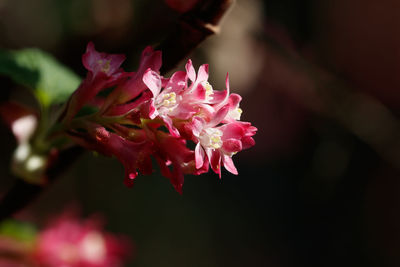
point(69, 242)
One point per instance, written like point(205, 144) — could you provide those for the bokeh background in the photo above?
point(319, 79)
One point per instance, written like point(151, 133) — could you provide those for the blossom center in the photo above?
point(209, 90)
point(105, 65)
point(235, 114)
point(211, 138)
point(168, 100)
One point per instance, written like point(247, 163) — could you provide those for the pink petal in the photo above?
point(248, 142)
point(218, 97)
point(90, 56)
point(199, 156)
point(223, 101)
point(219, 116)
point(153, 81)
point(232, 145)
point(198, 93)
point(177, 82)
point(227, 83)
point(229, 165)
point(150, 59)
point(148, 109)
point(234, 130)
point(164, 81)
point(172, 130)
point(203, 73)
point(234, 100)
point(153, 113)
point(135, 86)
point(203, 169)
point(197, 126)
point(216, 162)
point(190, 71)
point(184, 111)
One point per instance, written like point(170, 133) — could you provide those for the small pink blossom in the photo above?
point(218, 144)
point(103, 72)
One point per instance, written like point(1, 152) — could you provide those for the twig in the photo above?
point(193, 28)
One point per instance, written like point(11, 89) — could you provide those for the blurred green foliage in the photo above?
point(51, 82)
point(20, 231)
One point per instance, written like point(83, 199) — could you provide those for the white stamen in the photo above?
point(211, 138)
point(209, 90)
point(167, 100)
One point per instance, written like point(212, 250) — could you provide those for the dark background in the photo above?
point(319, 79)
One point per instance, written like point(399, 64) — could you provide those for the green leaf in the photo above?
point(51, 82)
point(20, 231)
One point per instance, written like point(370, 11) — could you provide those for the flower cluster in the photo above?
point(139, 115)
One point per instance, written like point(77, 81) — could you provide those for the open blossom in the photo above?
point(70, 242)
point(103, 72)
point(147, 115)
